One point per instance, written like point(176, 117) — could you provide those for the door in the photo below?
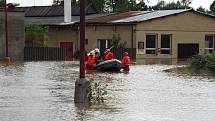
point(68, 50)
point(103, 45)
point(187, 50)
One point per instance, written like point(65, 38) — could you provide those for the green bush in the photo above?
point(198, 61)
point(37, 34)
point(96, 92)
point(211, 61)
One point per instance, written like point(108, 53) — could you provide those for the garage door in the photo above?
point(68, 50)
point(187, 50)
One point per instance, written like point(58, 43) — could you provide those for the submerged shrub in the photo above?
point(211, 61)
point(96, 92)
point(198, 61)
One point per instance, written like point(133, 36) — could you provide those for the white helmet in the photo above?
point(96, 50)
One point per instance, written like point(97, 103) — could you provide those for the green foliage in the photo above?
point(96, 92)
point(203, 61)
point(115, 39)
point(212, 8)
point(115, 42)
point(180, 4)
point(101, 6)
point(60, 2)
point(211, 61)
point(37, 34)
point(201, 9)
point(1, 3)
point(198, 61)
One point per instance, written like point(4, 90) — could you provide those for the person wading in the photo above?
point(97, 56)
point(126, 62)
point(108, 55)
point(90, 61)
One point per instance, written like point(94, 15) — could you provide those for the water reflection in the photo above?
point(37, 91)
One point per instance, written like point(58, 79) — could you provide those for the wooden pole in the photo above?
point(7, 58)
point(82, 84)
point(82, 38)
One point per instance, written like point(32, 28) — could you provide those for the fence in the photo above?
point(118, 52)
point(58, 54)
point(41, 54)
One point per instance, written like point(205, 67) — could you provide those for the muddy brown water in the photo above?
point(44, 91)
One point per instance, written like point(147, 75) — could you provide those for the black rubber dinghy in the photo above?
point(109, 65)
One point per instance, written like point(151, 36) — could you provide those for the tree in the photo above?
point(212, 8)
point(186, 3)
point(201, 9)
point(60, 2)
point(37, 34)
point(115, 39)
point(107, 6)
point(102, 6)
point(1, 3)
point(142, 6)
point(115, 42)
point(180, 4)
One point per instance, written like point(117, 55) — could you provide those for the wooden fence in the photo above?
point(58, 54)
point(42, 54)
point(118, 52)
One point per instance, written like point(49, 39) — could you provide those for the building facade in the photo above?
point(16, 35)
point(176, 36)
point(173, 34)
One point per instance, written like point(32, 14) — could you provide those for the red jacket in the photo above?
point(90, 60)
point(109, 56)
point(126, 60)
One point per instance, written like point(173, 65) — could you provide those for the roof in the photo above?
point(57, 20)
point(2, 10)
point(156, 14)
point(53, 11)
point(150, 15)
point(114, 17)
point(130, 17)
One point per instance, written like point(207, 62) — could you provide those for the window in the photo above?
point(151, 44)
point(86, 41)
point(141, 47)
point(165, 44)
point(209, 43)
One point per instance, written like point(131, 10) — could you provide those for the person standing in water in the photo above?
point(126, 62)
point(90, 61)
point(108, 55)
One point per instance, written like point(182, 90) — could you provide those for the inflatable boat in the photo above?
point(109, 65)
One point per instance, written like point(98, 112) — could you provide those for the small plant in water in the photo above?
point(206, 61)
point(96, 92)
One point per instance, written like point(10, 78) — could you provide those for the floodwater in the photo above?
point(44, 91)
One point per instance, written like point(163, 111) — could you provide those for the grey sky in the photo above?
point(195, 4)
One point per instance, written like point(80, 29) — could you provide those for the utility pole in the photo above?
point(7, 58)
point(82, 84)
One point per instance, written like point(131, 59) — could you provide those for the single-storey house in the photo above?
point(154, 34)
point(16, 34)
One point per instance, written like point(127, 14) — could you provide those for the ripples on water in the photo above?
point(44, 91)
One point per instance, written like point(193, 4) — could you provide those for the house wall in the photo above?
point(94, 33)
point(188, 27)
point(57, 35)
point(16, 35)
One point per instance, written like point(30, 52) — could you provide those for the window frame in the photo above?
point(156, 43)
point(209, 50)
point(170, 44)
